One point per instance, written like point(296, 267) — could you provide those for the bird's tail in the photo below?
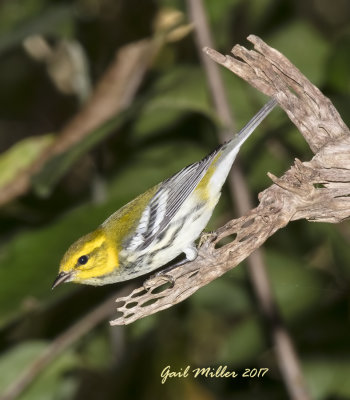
point(223, 157)
point(246, 131)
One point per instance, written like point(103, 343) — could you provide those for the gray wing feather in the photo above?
point(176, 189)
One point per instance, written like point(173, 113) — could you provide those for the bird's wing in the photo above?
point(173, 192)
point(168, 199)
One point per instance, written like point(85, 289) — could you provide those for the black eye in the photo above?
point(83, 260)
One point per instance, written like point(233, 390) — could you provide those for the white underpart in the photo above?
point(192, 227)
point(222, 169)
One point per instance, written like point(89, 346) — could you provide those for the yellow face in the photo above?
point(88, 260)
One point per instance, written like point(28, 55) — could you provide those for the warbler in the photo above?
point(157, 226)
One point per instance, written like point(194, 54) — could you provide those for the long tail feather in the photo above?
point(245, 132)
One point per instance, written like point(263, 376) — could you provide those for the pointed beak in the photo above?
point(61, 277)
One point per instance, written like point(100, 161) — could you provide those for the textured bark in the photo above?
point(318, 190)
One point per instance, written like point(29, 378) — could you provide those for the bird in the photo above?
point(158, 225)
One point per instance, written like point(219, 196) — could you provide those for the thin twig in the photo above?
point(286, 354)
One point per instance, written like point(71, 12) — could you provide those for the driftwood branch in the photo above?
point(318, 190)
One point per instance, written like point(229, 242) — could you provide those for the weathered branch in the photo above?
point(318, 190)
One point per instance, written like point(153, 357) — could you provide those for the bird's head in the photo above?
point(88, 260)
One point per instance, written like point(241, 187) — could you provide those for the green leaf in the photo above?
point(328, 378)
point(228, 294)
point(50, 384)
point(296, 287)
point(50, 21)
point(20, 156)
point(245, 342)
point(45, 181)
point(262, 163)
point(95, 352)
point(338, 66)
point(13, 13)
point(176, 93)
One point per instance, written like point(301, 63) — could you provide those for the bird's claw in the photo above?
point(149, 283)
point(206, 237)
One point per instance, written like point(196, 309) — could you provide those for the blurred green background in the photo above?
point(169, 124)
